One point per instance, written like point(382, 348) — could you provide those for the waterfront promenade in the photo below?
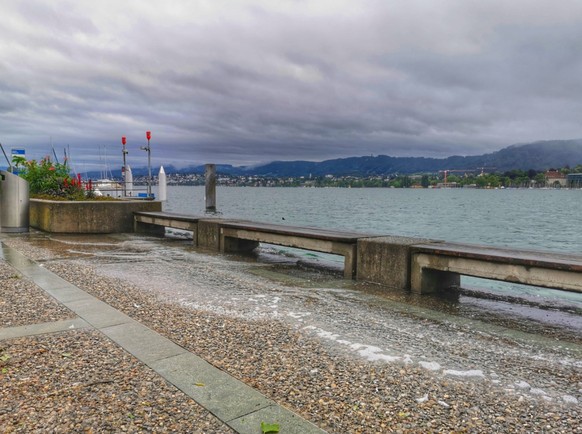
point(82, 352)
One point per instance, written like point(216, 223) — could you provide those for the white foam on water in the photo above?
point(369, 352)
point(298, 315)
point(569, 399)
point(430, 366)
point(327, 335)
point(537, 391)
point(373, 353)
point(472, 373)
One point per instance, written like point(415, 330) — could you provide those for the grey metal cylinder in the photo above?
point(14, 203)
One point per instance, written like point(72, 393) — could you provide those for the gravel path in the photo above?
point(79, 381)
point(23, 303)
point(339, 392)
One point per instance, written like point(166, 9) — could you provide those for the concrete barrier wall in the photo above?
point(87, 217)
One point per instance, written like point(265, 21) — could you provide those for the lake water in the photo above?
point(522, 218)
point(536, 219)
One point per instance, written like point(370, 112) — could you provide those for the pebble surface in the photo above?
point(338, 392)
point(80, 381)
point(23, 303)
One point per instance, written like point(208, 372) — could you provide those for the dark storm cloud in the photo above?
point(253, 81)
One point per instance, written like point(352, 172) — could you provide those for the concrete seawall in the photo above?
point(87, 217)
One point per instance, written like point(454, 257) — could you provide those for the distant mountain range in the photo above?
point(538, 156)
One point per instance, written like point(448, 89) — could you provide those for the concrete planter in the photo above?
point(87, 217)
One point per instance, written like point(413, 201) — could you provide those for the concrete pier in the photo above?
point(415, 264)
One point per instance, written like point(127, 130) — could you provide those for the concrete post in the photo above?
point(210, 178)
point(386, 260)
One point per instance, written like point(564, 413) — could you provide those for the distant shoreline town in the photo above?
point(546, 164)
point(552, 178)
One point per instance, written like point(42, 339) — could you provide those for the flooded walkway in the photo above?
point(477, 345)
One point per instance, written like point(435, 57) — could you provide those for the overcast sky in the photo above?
point(251, 81)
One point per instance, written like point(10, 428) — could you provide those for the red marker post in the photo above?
point(124, 151)
point(148, 149)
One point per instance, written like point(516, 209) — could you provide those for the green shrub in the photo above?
point(46, 178)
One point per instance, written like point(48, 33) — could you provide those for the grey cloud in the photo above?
point(291, 81)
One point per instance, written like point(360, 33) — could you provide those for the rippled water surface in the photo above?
point(539, 219)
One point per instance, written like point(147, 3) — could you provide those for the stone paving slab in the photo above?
point(39, 329)
point(142, 342)
point(68, 293)
point(42, 276)
point(97, 313)
point(224, 396)
point(289, 422)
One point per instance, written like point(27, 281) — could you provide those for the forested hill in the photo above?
point(538, 156)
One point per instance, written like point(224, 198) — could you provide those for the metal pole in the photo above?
point(124, 151)
point(6, 156)
point(149, 171)
point(147, 148)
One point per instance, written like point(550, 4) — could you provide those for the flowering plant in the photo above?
point(46, 178)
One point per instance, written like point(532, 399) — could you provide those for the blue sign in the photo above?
point(18, 152)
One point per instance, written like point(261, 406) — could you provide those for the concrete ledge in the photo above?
point(154, 223)
point(433, 272)
point(87, 217)
point(386, 260)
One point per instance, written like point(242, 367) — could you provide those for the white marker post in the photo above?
point(128, 181)
point(162, 185)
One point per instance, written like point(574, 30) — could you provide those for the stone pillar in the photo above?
point(208, 234)
point(386, 260)
point(210, 182)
